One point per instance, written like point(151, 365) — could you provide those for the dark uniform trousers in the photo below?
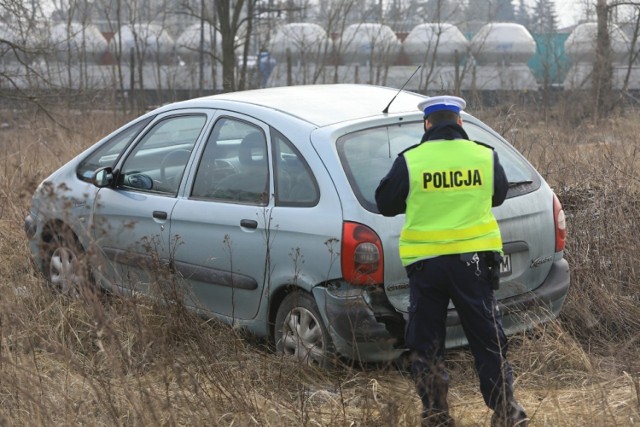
point(433, 282)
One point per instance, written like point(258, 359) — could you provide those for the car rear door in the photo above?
point(220, 226)
point(242, 237)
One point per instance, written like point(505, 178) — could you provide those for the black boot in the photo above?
point(432, 385)
point(437, 419)
point(511, 416)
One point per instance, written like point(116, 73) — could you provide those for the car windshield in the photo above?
point(367, 155)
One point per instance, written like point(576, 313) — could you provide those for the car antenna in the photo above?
point(386, 110)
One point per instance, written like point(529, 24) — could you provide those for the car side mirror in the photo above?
point(103, 177)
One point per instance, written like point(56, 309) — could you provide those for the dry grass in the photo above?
point(102, 360)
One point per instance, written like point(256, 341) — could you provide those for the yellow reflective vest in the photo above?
point(449, 202)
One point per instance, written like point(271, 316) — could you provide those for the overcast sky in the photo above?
point(569, 11)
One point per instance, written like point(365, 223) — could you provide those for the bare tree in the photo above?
point(23, 48)
point(443, 39)
point(490, 10)
point(505, 11)
point(336, 15)
point(522, 15)
point(602, 75)
point(230, 18)
point(231, 34)
point(201, 39)
point(634, 52)
point(544, 23)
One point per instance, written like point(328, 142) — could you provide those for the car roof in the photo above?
point(323, 105)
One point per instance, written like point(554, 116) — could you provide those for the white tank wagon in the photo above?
point(302, 42)
point(435, 42)
point(195, 37)
point(188, 73)
point(24, 48)
point(300, 51)
point(435, 47)
point(581, 43)
point(368, 43)
point(151, 41)
point(23, 42)
point(500, 55)
point(78, 42)
point(8, 41)
point(580, 47)
point(503, 42)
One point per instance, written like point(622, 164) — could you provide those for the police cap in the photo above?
point(438, 103)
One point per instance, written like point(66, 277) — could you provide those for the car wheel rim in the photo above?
point(63, 271)
point(302, 337)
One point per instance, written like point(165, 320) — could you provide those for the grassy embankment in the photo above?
point(111, 361)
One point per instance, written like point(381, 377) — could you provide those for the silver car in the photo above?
point(260, 206)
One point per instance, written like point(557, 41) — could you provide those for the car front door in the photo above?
point(131, 219)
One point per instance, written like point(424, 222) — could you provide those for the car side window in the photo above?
point(295, 184)
point(109, 152)
point(158, 161)
point(234, 166)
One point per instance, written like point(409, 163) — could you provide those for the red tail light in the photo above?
point(361, 255)
point(560, 223)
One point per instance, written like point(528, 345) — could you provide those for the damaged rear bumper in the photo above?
point(364, 326)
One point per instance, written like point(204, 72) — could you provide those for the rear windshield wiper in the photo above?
point(519, 183)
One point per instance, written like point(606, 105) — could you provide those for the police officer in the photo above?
point(449, 245)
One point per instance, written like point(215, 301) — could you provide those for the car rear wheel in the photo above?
point(300, 332)
point(66, 266)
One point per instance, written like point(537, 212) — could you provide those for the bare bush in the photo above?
point(100, 359)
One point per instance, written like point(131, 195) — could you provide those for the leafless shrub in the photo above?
point(106, 359)
point(594, 171)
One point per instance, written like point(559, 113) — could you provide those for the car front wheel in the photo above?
point(300, 332)
point(66, 267)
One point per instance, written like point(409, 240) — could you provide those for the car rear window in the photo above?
point(521, 175)
point(367, 156)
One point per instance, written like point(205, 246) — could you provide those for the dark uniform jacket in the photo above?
point(392, 192)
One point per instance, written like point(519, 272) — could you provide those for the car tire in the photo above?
point(300, 332)
point(66, 267)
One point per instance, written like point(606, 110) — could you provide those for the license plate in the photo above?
point(505, 265)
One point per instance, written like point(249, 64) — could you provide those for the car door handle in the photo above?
point(160, 214)
point(248, 223)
